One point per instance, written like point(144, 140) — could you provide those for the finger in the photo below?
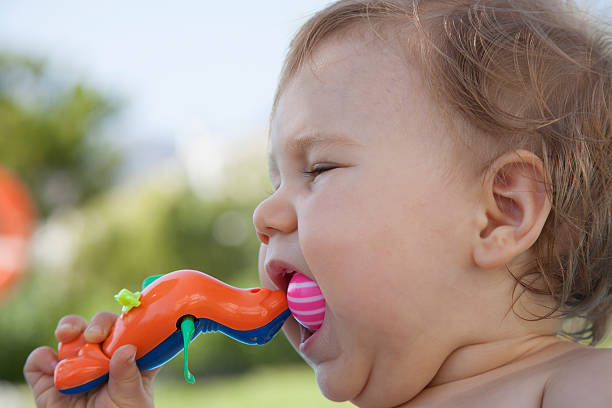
point(69, 328)
point(99, 327)
point(38, 369)
point(125, 380)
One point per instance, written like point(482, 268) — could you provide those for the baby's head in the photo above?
point(442, 171)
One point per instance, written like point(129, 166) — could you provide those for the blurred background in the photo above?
point(137, 133)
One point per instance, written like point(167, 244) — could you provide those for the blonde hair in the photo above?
point(526, 73)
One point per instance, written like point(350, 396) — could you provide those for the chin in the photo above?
point(364, 385)
point(333, 387)
point(339, 383)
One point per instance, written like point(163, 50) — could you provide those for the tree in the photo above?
point(50, 135)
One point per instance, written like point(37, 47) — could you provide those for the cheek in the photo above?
point(365, 217)
point(351, 248)
point(377, 249)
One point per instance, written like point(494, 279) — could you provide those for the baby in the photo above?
point(442, 171)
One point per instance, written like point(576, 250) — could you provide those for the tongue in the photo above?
point(306, 302)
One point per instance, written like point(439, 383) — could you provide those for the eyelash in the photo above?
point(310, 173)
point(317, 171)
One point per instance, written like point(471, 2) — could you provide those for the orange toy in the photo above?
point(169, 313)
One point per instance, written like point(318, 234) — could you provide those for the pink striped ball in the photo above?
point(306, 302)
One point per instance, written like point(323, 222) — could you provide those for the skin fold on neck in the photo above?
point(477, 359)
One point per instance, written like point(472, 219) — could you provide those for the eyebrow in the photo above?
point(306, 141)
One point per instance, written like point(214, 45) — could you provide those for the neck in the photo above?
point(475, 359)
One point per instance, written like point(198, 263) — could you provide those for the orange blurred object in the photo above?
point(16, 225)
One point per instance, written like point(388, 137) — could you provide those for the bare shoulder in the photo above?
point(584, 378)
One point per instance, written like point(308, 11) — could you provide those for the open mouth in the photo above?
point(283, 283)
point(283, 280)
point(304, 297)
point(307, 304)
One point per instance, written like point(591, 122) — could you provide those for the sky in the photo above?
point(179, 69)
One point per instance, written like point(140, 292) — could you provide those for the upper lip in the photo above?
point(279, 272)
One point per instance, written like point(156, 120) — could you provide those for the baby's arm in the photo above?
point(584, 381)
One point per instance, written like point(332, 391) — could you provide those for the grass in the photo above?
point(291, 386)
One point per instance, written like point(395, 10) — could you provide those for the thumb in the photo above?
point(125, 380)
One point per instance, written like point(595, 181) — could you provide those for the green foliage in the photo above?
point(27, 321)
point(49, 135)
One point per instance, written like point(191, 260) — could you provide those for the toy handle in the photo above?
point(155, 322)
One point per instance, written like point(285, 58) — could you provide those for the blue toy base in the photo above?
point(173, 344)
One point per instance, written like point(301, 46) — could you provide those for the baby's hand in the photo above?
point(126, 386)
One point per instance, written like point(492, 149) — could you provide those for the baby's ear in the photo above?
point(513, 209)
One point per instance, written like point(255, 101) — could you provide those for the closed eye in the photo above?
point(319, 168)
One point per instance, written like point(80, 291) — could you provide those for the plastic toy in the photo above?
point(162, 320)
point(306, 302)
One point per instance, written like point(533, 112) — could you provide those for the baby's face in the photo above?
point(380, 224)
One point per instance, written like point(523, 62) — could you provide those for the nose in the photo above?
point(273, 215)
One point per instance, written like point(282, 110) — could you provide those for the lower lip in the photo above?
point(307, 344)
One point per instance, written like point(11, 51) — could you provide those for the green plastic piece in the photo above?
point(187, 328)
point(150, 280)
point(128, 299)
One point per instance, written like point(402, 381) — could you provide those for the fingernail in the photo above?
point(93, 331)
point(65, 326)
point(133, 355)
point(53, 364)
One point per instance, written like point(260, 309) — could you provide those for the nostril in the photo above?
point(263, 238)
